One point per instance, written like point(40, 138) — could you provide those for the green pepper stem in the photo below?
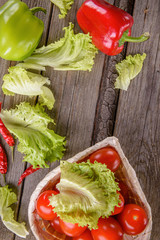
point(125, 38)
point(37, 9)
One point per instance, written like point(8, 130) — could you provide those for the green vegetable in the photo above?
point(87, 192)
point(72, 52)
point(63, 5)
point(20, 30)
point(128, 69)
point(30, 125)
point(7, 198)
point(20, 81)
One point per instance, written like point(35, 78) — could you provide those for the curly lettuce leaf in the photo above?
point(87, 192)
point(7, 198)
point(72, 52)
point(20, 81)
point(30, 125)
point(128, 69)
point(64, 6)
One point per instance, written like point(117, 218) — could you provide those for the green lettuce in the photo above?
point(63, 5)
point(7, 198)
point(72, 52)
point(87, 192)
point(20, 81)
point(30, 125)
point(128, 69)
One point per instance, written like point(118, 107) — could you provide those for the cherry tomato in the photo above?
point(70, 229)
point(84, 236)
point(108, 156)
point(133, 219)
point(120, 207)
point(56, 225)
point(43, 208)
point(108, 229)
point(124, 191)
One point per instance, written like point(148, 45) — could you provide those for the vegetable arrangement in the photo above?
point(85, 205)
point(87, 197)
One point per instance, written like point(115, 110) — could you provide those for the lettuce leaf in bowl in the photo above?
point(30, 125)
point(87, 192)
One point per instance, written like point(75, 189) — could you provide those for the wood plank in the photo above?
point(138, 117)
point(108, 95)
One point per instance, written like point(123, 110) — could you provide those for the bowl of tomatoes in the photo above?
point(130, 219)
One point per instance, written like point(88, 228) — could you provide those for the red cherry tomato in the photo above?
point(84, 236)
point(108, 229)
point(133, 219)
point(43, 208)
point(120, 207)
point(56, 225)
point(124, 191)
point(108, 156)
point(70, 229)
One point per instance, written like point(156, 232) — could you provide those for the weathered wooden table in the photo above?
point(88, 108)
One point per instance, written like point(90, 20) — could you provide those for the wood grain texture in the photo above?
point(86, 105)
point(108, 95)
point(138, 117)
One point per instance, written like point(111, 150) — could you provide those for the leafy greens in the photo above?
point(63, 5)
point(87, 192)
point(20, 81)
point(7, 198)
point(128, 69)
point(30, 125)
point(72, 52)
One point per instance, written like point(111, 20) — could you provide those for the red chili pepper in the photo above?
point(108, 25)
point(26, 173)
point(5, 133)
point(3, 161)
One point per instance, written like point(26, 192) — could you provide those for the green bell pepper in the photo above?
point(20, 30)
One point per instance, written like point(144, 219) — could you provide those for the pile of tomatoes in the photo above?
point(126, 218)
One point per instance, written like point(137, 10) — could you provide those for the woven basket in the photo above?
point(42, 229)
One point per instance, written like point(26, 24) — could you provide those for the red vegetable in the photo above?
point(43, 208)
point(3, 161)
point(5, 133)
point(108, 229)
point(133, 219)
point(108, 156)
point(27, 172)
point(56, 225)
point(70, 229)
point(84, 236)
point(120, 207)
point(108, 25)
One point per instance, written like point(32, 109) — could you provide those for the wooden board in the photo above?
point(88, 108)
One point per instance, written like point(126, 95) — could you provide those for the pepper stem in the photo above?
point(37, 9)
point(125, 38)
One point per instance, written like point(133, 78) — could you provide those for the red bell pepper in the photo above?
point(108, 25)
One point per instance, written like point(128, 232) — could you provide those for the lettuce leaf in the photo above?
point(7, 198)
point(30, 125)
point(20, 81)
point(128, 69)
point(63, 5)
point(72, 52)
point(87, 192)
